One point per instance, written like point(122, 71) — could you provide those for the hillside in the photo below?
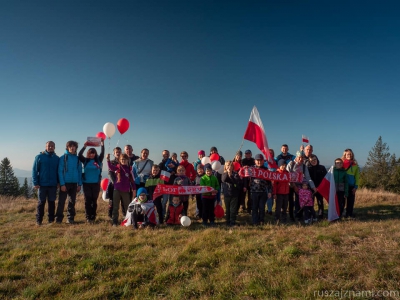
point(268, 262)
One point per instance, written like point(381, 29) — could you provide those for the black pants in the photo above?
point(158, 205)
point(62, 197)
point(340, 196)
point(199, 204)
point(281, 205)
point(350, 202)
point(291, 201)
point(208, 210)
point(320, 202)
point(91, 193)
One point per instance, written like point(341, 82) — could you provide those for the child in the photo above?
point(112, 179)
point(199, 204)
point(208, 199)
point(175, 212)
point(174, 161)
point(341, 182)
point(122, 186)
point(306, 199)
point(281, 192)
point(231, 185)
point(70, 177)
point(182, 179)
point(141, 210)
point(151, 184)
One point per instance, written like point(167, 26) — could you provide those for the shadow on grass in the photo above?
point(377, 212)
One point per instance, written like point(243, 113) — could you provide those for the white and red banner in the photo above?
point(305, 139)
point(327, 189)
point(270, 175)
point(165, 176)
point(180, 190)
point(255, 133)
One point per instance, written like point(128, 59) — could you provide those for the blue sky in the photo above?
point(186, 74)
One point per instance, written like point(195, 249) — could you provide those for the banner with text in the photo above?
point(180, 190)
point(270, 175)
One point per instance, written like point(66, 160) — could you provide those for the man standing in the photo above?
point(44, 177)
point(70, 176)
point(129, 151)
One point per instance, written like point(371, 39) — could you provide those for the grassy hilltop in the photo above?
point(268, 262)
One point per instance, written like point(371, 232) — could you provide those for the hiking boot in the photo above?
point(38, 223)
point(70, 222)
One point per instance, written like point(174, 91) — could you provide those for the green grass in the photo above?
point(269, 262)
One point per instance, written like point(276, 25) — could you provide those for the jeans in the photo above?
point(49, 193)
point(231, 205)
point(258, 201)
point(270, 203)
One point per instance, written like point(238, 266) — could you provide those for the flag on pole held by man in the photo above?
point(327, 189)
point(305, 139)
point(255, 133)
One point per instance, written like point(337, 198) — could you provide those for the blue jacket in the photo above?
point(92, 172)
point(70, 169)
point(45, 168)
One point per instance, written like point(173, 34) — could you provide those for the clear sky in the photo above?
point(186, 74)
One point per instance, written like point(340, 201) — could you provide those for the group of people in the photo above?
point(133, 180)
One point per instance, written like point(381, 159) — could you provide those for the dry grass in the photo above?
point(268, 262)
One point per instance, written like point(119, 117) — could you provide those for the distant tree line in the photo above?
point(9, 184)
point(382, 169)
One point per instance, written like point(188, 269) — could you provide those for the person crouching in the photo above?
point(175, 212)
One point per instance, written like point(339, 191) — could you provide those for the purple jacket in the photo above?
point(126, 182)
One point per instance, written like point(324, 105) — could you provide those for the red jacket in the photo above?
point(281, 187)
point(173, 214)
point(190, 172)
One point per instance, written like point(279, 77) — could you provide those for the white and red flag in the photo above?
point(327, 189)
point(305, 139)
point(255, 133)
point(165, 176)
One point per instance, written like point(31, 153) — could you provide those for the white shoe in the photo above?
point(308, 221)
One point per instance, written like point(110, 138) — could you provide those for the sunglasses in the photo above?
point(184, 156)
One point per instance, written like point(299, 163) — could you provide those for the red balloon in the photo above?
point(104, 184)
point(219, 211)
point(101, 135)
point(236, 166)
point(214, 157)
point(123, 125)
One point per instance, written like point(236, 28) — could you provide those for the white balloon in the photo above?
point(205, 160)
point(104, 197)
point(185, 221)
point(109, 129)
point(221, 170)
point(216, 165)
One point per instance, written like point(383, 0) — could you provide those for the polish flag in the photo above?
point(327, 189)
point(255, 133)
point(305, 139)
point(165, 176)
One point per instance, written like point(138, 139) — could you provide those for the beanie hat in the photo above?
point(201, 152)
point(281, 162)
point(214, 149)
point(141, 191)
point(207, 166)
